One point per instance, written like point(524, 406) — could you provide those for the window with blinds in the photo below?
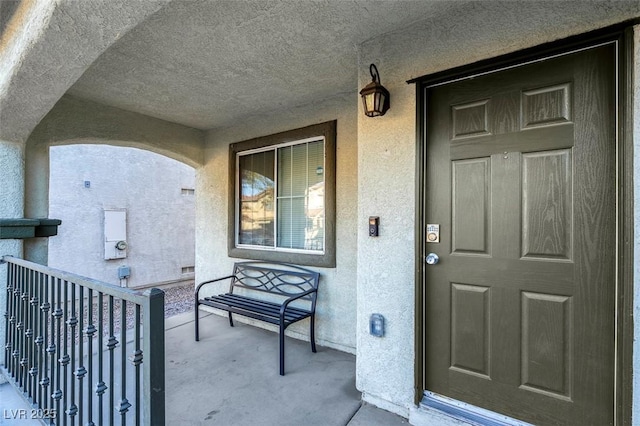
point(281, 197)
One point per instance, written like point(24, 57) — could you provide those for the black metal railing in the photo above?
point(82, 351)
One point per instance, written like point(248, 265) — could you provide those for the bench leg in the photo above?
point(312, 333)
point(230, 320)
point(197, 323)
point(281, 349)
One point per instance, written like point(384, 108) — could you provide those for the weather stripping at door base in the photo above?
point(467, 412)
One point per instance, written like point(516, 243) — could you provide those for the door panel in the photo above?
point(520, 176)
point(546, 345)
point(471, 210)
point(546, 205)
point(470, 329)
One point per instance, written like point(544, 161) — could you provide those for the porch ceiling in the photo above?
point(209, 64)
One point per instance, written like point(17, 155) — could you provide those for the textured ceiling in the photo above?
point(210, 64)
point(207, 64)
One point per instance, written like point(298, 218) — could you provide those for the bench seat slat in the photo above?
point(234, 298)
point(253, 312)
point(250, 303)
point(250, 314)
point(257, 309)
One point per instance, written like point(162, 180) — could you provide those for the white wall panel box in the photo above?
point(115, 234)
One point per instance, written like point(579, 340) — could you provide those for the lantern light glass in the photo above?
point(375, 97)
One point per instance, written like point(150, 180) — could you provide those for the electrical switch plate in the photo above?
point(376, 325)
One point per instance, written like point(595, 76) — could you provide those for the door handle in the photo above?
point(432, 259)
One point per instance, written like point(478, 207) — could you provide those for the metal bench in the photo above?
point(292, 293)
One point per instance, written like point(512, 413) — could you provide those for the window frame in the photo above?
point(326, 130)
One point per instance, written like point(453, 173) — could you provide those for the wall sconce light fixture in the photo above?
point(375, 97)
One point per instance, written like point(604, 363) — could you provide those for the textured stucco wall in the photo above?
point(36, 203)
point(48, 44)
point(336, 308)
point(386, 164)
point(12, 179)
point(160, 220)
point(74, 120)
point(11, 206)
point(386, 263)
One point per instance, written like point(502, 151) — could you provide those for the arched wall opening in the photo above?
point(105, 194)
point(75, 121)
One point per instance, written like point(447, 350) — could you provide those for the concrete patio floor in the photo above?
point(230, 377)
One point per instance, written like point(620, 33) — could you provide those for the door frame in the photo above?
point(622, 36)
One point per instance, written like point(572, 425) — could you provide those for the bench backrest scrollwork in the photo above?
point(281, 279)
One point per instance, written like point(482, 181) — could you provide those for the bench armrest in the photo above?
point(291, 299)
point(197, 292)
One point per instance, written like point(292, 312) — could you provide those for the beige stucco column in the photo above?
point(36, 203)
point(11, 206)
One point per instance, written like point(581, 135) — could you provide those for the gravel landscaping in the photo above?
point(178, 300)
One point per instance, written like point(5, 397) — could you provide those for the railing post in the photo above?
point(153, 353)
point(6, 288)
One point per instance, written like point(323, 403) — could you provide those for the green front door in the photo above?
point(520, 308)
